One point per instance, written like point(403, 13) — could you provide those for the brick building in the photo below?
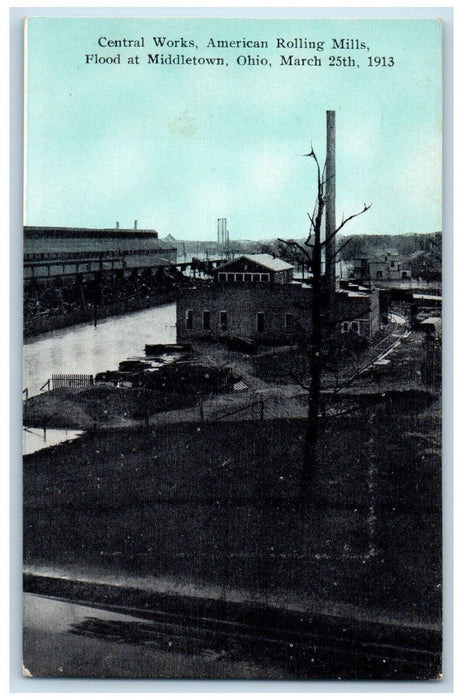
point(253, 297)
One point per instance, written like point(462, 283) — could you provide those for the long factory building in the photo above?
point(53, 252)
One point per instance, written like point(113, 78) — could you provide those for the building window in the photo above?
point(289, 322)
point(264, 277)
point(189, 320)
point(355, 327)
point(223, 320)
point(230, 276)
point(260, 321)
point(379, 274)
point(248, 277)
point(239, 277)
point(206, 320)
point(404, 275)
point(345, 327)
point(222, 276)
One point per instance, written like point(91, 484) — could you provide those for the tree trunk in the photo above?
point(311, 435)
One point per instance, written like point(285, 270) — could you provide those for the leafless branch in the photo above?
point(332, 259)
point(311, 220)
point(345, 221)
point(309, 238)
point(297, 245)
point(313, 155)
point(306, 387)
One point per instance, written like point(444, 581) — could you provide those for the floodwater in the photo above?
point(84, 349)
point(35, 439)
point(67, 639)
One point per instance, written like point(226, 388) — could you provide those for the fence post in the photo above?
point(47, 384)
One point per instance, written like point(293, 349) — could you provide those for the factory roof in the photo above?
point(269, 261)
point(428, 297)
point(352, 293)
point(432, 321)
point(46, 239)
point(265, 260)
point(71, 232)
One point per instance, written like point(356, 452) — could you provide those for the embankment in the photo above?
point(92, 406)
point(219, 504)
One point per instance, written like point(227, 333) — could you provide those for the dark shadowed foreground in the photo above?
point(216, 505)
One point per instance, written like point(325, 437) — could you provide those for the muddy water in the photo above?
point(84, 349)
point(35, 439)
point(66, 639)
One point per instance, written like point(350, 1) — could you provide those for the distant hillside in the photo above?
point(201, 249)
point(358, 246)
point(421, 252)
point(406, 245)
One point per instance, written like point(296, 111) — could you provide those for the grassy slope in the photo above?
point(81, 408)
point(217, 503)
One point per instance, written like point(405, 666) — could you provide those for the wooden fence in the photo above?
point(255, 408)
point(71, 380)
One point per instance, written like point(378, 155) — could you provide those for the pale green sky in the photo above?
point(177, 147)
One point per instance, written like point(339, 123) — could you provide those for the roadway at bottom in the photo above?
point(69, 640)
point(72, 638)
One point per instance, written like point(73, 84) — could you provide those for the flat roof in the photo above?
point(428, 297)
point(352, 293)
point(432, 321)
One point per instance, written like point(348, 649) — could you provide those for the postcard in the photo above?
point(232, 348)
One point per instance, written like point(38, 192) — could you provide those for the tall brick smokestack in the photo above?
point(330, 200)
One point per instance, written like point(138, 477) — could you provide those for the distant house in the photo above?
point(254, 297)
point(387, 268)
point(432, 327)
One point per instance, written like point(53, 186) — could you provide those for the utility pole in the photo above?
point(323, 290)
point(330, 204)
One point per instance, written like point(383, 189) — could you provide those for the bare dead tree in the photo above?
point(313, 250)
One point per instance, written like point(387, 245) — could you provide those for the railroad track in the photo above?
point(381, 350)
